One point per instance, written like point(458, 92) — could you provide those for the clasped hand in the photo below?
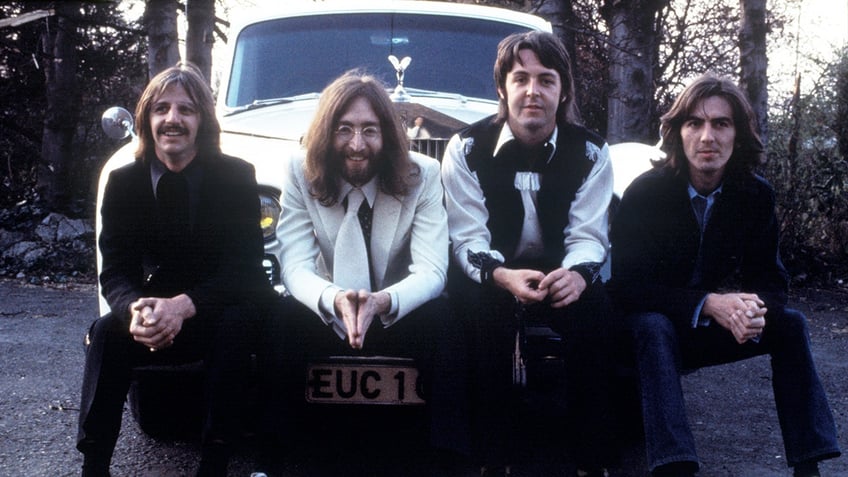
point(357, 310)
point(743, 314)
point(155, 322)
point(561, 287)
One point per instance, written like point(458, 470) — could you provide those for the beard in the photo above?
point(357, 172)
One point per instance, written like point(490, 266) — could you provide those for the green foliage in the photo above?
point(805, 164)
point(810, 176)
point(841, 121)
point(112, 70)
point(20, 140)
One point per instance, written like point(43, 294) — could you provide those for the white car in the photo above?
point(436, 57)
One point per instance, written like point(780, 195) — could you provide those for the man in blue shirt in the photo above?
point(696, 266)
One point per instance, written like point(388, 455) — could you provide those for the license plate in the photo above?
point(363, 380)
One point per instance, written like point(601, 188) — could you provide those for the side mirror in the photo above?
point(117, 123)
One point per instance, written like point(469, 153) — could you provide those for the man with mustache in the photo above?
point(696, 265)
point(527, 193)
point(357, 191)
point(182, 251)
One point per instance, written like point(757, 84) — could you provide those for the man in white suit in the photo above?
point(391, 304)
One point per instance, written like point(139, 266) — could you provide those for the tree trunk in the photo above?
point(201, 35)
point(160, 21)
point(632, 56)
point(60, 121)
point(792, 147)
point(753, 61)
point(841, 123)
point(568, 27)
point(563, 20)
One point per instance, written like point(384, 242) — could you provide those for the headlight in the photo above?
point(269, 209)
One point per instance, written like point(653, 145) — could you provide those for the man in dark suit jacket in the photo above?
point(695, 264)
point(182, 250)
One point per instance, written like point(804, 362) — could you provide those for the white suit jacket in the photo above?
point(409, 239)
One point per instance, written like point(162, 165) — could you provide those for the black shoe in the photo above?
point(495, 471)
point(448, 463)
point(274, 454)
point(95, 466)
point(213, 467)
point(676, 469)
point(214, 459)
point(807, 469)
point(592, 472)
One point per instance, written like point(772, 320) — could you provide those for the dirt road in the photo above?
point(41, 331)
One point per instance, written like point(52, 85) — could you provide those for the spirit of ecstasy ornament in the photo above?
point(400, 67)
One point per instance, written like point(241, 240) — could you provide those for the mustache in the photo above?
point(172, 128)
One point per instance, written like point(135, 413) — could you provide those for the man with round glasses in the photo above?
point(365, 252)
point(345, 133)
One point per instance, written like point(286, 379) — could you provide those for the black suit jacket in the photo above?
point(221, 263)
point(655, 239)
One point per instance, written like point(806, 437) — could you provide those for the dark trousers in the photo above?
point(490, 317)
point(663, 351)
point(224, 341)
point(429, 335)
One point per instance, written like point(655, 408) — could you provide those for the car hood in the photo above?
point(289, 121)
point(267, 154)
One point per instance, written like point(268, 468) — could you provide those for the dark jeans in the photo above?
point(489, 315)
point(429, 335)
point(663, 352)
point(224, 341)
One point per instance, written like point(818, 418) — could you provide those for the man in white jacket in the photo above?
point(390, 303)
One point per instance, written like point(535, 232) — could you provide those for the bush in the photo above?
point(810, 176)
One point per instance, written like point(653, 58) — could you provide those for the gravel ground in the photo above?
point(41, 331)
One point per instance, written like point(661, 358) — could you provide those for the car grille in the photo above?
point(432, 147)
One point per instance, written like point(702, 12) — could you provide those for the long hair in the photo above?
point(393, 165)
point(552, 54)
point(189, 77)
point(748, 150)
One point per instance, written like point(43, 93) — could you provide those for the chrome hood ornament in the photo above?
point(400, 95)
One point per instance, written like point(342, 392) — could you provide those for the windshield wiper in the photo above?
point(430, 93)
point(262, 103)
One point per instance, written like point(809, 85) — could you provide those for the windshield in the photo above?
point(292, 56)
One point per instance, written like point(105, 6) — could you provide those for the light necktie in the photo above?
point(350, 255)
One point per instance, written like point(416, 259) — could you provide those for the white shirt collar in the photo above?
point(369, 189)
point(507, 135)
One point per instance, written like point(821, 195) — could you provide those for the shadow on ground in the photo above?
point(41, 331)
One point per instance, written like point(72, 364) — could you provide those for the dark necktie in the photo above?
point(365, 215)
point(699, 204)
point(173, 203)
